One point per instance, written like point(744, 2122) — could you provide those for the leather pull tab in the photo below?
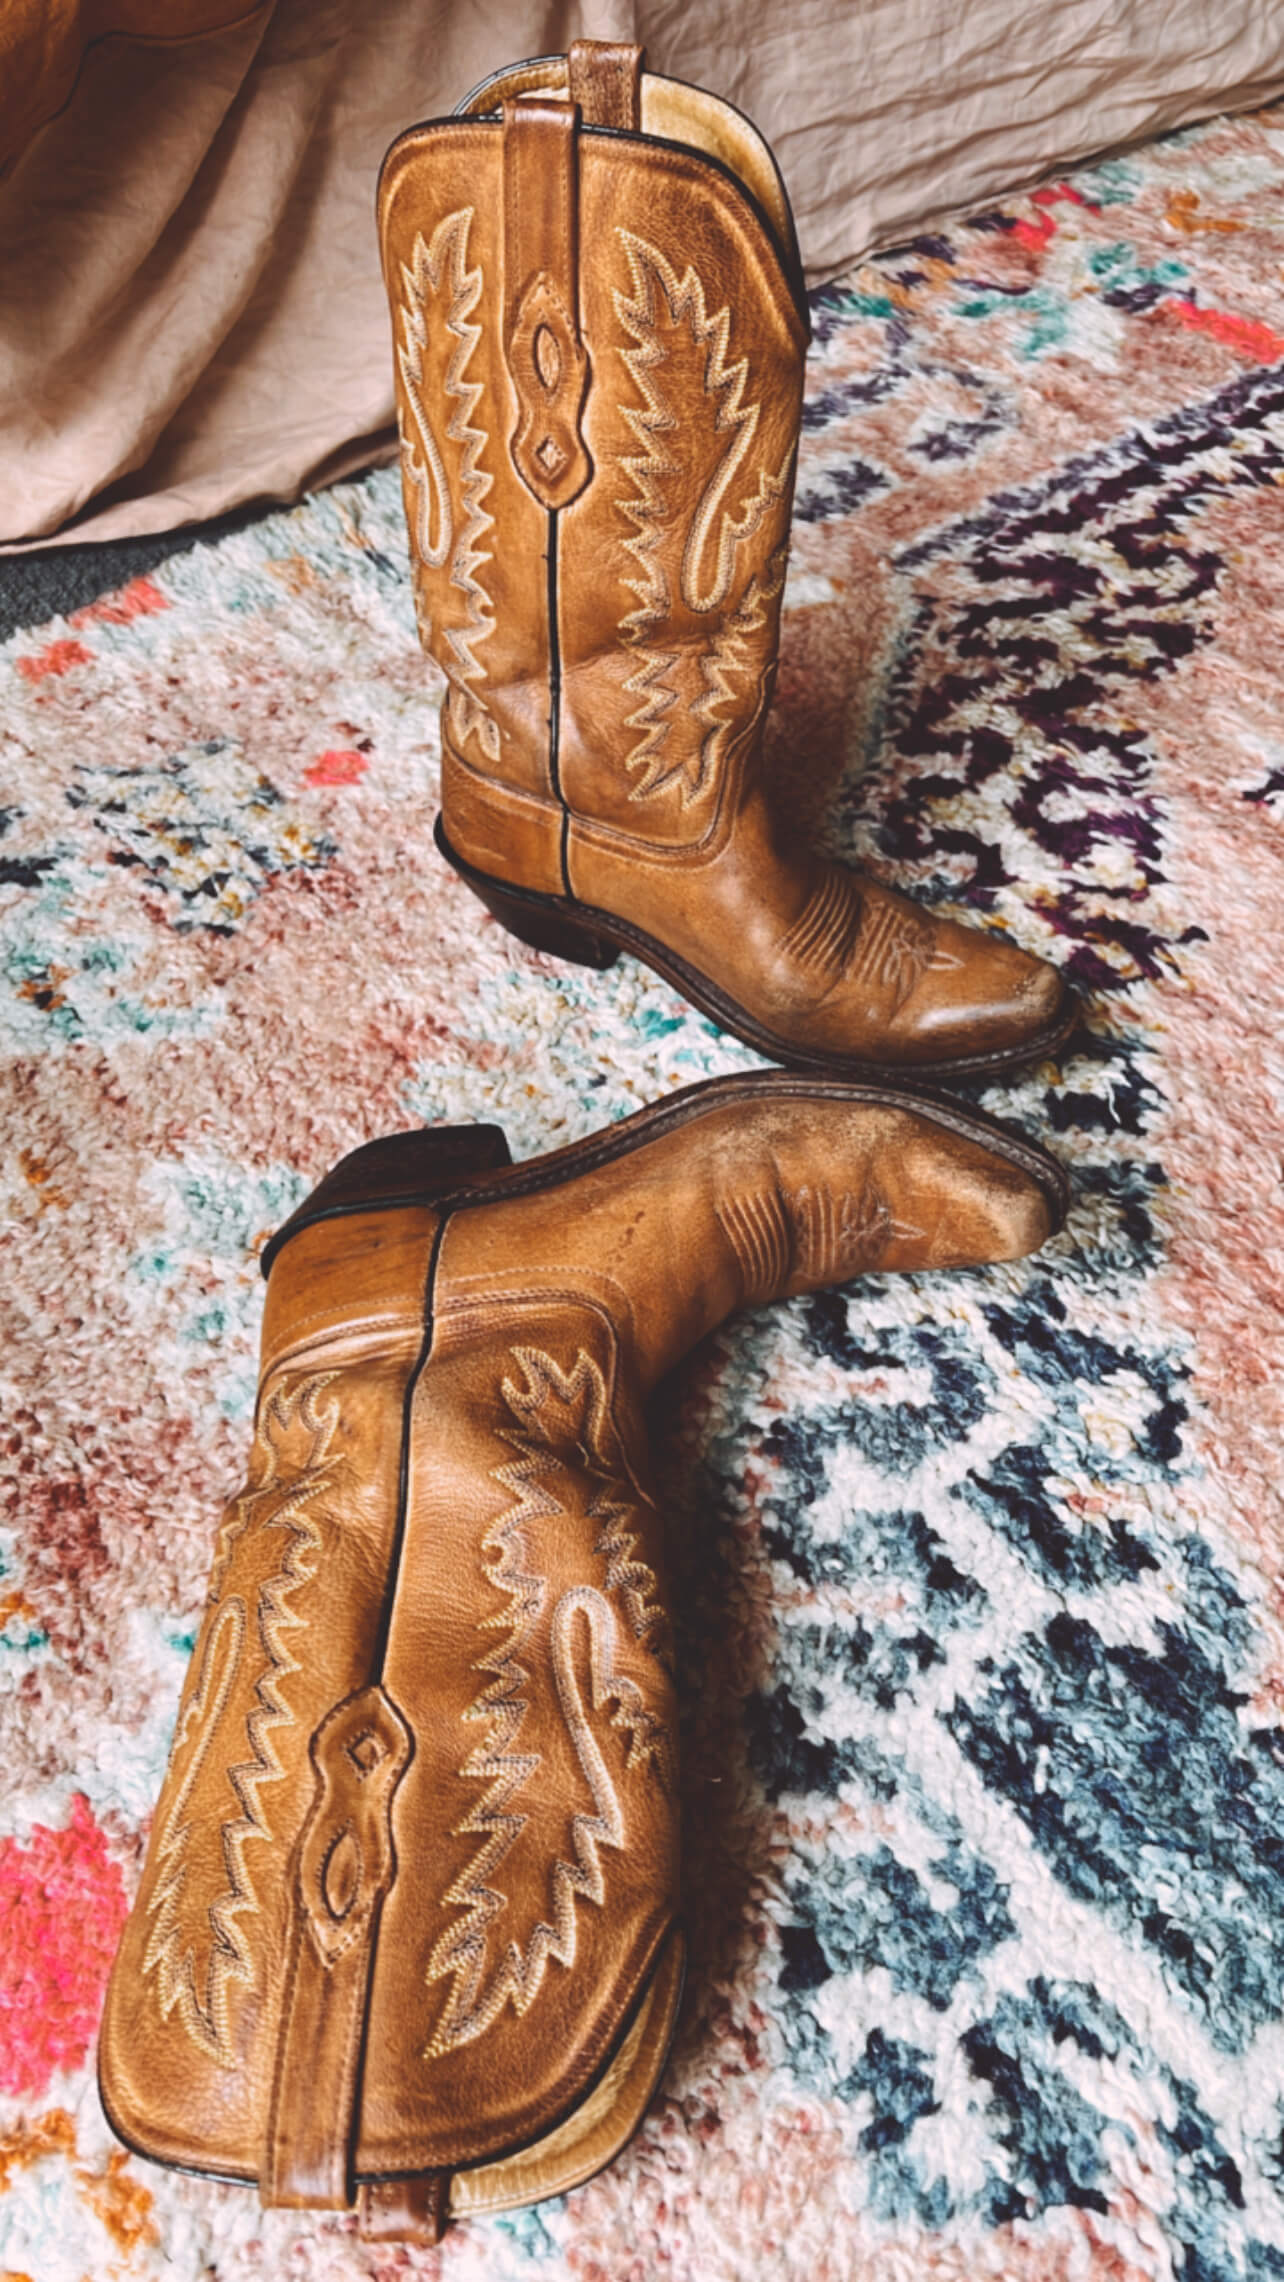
point(542, 345)
point(605, 78)
point(343, 1869)
point(405, 2210)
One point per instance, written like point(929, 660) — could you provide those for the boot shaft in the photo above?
point(413, 1872)
point(600, 333)
point(414, 1864)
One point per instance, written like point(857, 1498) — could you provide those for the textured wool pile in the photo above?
point(982, 1643)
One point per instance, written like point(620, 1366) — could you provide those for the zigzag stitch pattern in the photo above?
point(461, 1951)
point(169, 1954)
point(730, 659)
point(447, 257)
point(650, 419)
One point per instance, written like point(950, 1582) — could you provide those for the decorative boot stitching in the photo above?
point(569, 1412)
point(293, 1461)
point(824, 933)
point(724, 384)
point(661, 313)
point(549, 371)
point(648, 468)
point(895, 948)
point(736, 664)
point(758, 1230)
point(345, 1866)
point(809, 1236)
point(547, 1454)
point(461, 1952)
point(470, 2009)
point(837, 1236)
point(431, 511)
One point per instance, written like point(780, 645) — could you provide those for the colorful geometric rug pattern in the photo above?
point(983, 1630)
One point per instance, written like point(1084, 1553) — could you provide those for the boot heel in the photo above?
point(398, 1169)
point(543, 921)
point(549, 931)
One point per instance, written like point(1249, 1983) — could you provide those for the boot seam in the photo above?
point(555, 702)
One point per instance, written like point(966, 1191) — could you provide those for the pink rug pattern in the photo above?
point(983, 1631)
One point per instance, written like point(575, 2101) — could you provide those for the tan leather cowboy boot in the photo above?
point(408, 1930)
point(600, 329)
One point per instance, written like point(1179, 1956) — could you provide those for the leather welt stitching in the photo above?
point(278, 1500)
point(461, 1953)
point(431, 515)
point(658, 296)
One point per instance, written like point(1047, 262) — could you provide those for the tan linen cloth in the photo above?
point(43, 45)
point(191, 313)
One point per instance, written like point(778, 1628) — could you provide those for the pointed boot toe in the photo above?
point(979, 1203)
point(981, 1003)
point(865, 981)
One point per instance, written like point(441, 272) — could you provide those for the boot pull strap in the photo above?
point(405, 2210)
point(542, 345)
point(605, 80)
point(344, 1865)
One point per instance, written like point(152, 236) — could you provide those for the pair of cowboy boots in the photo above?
point(408, 1936)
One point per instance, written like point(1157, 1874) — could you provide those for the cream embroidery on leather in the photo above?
point(197, 1947)
point(735, 662)
point(444, 264)
point(567, 1415)
point(471, 2007)
point(346, 1858)
point(549, 372)
point(560, 1431)
point(666, 319)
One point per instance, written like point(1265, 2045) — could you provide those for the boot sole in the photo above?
point(453, 1166)
point(592, 938)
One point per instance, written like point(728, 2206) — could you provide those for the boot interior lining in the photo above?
point(682, 114)
point(603, 2121)
point(674, 113)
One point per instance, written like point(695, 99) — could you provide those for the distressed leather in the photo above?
point(608, 626)
point(408, 1932)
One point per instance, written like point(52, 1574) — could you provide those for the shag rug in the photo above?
point(983, 1647)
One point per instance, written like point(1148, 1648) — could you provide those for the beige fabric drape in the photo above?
point(43, 45)
point(191, 312)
